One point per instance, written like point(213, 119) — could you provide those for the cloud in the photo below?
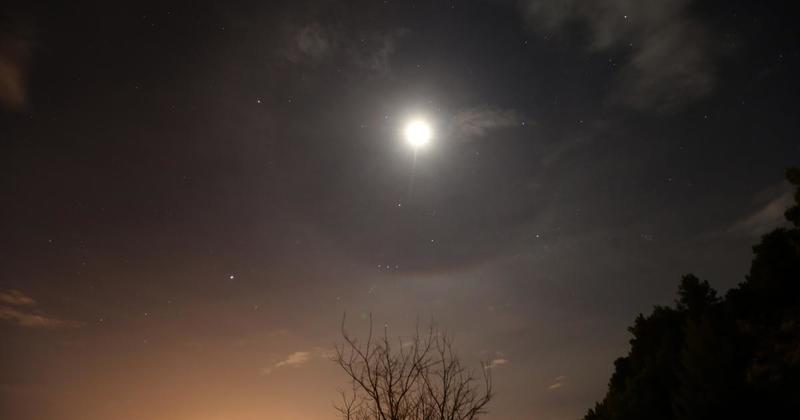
point(33, 320)
point(314, 44)
point(477, 122)
point(498, 361)
point(22, 310)
point(766, 218)
point(374, 57)
point(311, 43)
point(14, 57)
point(16, 298)
point(668, 57)
point(558, 382)
point(299, 358)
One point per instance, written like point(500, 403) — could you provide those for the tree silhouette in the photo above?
point(732, 358)
point(418, 379)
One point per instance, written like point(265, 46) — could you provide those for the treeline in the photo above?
point(712, 357)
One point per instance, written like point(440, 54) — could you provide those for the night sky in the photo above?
point(192, 195)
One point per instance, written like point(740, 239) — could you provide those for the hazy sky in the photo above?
point(193, 194)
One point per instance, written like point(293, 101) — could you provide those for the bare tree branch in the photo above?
point(423, 379)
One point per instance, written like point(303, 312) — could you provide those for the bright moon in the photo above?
point(418, 133)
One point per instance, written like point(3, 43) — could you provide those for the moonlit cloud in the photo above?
point(663, 55)
point(765, 218)
point(315, 44)
point(374, 58)
point(476, 123)
point(311, 43)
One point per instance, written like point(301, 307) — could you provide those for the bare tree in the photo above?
point(419, 379)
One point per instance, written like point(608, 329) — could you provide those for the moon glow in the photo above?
point(418, 133)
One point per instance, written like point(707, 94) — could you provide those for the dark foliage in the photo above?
point(709, 358)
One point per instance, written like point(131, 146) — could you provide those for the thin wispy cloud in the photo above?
point(16, 298)
point(476, 123)
point(558, 382)
point(311, 43)
point(315, 44)
point(375, 57)
point(298, 359)
point(496, 362)
point(22, 310)
point(664, 56)
point(765, 218)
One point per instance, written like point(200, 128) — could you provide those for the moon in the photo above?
point(418, 133)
